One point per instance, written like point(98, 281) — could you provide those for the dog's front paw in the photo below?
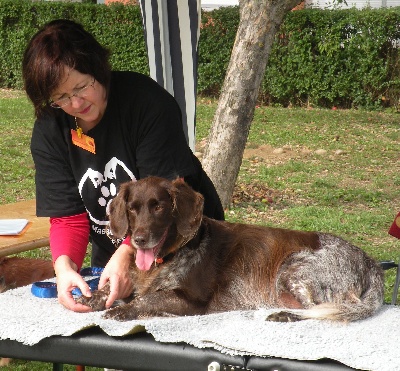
point(284, 317)
point(122, 313)
point(97, 301)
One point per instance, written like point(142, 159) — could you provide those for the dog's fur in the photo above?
point(202, 266)
point(17, 272)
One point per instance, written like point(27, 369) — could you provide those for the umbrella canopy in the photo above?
point(172, 30)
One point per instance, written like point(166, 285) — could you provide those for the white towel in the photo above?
point(372, 344)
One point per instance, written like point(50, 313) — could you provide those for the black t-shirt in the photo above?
point(140, 134)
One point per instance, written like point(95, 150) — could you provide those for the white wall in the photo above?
point(213, 4)
point(359, 4)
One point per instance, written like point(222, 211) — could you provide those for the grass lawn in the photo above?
point(327, 170)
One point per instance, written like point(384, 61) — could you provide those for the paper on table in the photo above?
point(12, 227)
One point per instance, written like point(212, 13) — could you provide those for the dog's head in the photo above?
point(158, 215)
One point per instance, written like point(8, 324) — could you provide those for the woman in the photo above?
point(95, 129)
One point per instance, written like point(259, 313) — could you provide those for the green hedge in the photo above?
point(343, 58)
point(217, 35)
point(339, 58)
point(117, 27)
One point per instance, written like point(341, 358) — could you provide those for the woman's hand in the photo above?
point(117, 273)
point(67, 280)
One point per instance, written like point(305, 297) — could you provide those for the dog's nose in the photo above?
point(140, 241)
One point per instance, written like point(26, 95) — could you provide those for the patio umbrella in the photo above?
point(172, 30)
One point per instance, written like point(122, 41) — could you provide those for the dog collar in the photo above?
point(158, 260)
point(47, 289)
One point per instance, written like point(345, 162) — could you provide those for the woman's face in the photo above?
point(88, 105)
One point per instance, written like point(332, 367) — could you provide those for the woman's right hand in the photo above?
point(67, 280)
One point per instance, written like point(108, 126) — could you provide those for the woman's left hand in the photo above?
point(117, 273)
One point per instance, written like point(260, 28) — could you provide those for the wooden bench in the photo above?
point(36, 235)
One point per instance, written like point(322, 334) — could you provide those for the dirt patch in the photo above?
point(271, 155)
point(256, 194)
point(11, 93)
point(267, 154)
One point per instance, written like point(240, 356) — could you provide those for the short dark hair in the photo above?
point(58, 44)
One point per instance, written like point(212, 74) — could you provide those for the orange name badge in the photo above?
point(83, 141)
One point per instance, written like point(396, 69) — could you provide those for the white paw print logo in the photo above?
point(103, 183)
point(108, 193)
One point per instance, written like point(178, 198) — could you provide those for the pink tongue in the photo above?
point(144, 259)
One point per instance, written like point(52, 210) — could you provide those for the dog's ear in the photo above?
point(118, 213)
point(188, 208)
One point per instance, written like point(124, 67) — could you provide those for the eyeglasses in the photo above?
point(80, 93)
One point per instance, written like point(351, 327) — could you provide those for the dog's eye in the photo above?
point(132, 206)
point(155, 205)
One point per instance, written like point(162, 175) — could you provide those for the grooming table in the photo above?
point(36, 234)
point(42, 329)
point(93, 347)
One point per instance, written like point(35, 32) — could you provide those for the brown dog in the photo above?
point(187, 264)
point(18, 272)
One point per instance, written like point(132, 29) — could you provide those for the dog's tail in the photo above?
point(348, 311)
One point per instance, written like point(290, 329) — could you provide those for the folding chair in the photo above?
point(388, 265)
point(396, 285)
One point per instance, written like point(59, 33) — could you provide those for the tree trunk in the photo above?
point(259, 22)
